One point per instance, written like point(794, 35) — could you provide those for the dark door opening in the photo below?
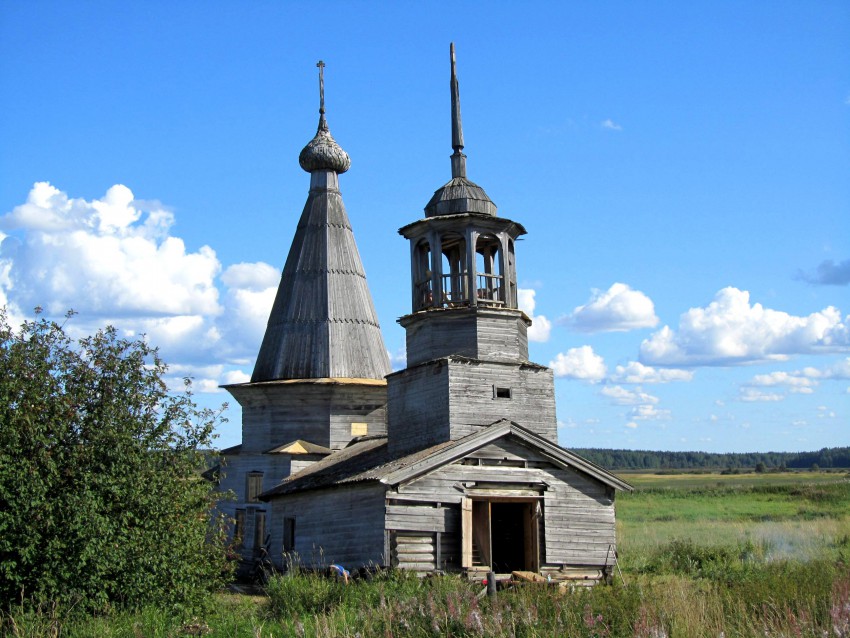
point(507, 522)
point(502, 535)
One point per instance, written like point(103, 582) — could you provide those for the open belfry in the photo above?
point(451, 464)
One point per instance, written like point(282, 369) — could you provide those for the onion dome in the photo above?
point(322, 153)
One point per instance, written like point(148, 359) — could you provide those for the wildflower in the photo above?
point(474, 621)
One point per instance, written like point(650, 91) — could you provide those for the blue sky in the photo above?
point(681, 169)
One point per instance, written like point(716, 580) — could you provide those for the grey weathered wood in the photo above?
point(323, 322)
point(344, 526)
point(320, 411)
point(475, 332)
point(466, 434)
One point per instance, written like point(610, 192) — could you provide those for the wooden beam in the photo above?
point(466, 533)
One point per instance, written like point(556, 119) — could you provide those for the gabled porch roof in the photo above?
point(368, 460)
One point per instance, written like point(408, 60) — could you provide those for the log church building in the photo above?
point(451, 464)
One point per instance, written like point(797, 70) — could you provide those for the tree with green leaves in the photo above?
point(102, 503)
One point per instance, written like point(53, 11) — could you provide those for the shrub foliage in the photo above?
point(101, 500)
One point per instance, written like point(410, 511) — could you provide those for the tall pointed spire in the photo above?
point(323, 323)
point(458, 158)
point(460, 195)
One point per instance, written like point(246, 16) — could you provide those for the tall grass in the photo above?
point(690, 593)
point(713, 560)
point(757, 600)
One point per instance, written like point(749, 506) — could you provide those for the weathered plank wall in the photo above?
point(578, 511)
point(419, 415)
point(344, 525)
point(233, 477)
point(482, 333)
point(417, 410)
point(321, 413)
point(356, 404)
point(473, 401)
point(579, 517)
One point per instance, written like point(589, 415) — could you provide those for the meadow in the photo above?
point(701, 555)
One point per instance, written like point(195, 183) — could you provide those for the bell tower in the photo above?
point(467, 340)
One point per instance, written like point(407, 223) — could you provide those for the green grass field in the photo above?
point(787, 516)
point(703, 555)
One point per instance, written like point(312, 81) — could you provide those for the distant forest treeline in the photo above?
point(832, 457)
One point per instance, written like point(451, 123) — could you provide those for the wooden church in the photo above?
point(451, 464)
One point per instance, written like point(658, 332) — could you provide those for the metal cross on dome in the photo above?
point(321, 66)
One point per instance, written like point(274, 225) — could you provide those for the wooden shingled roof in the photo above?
point(368, 459)
point(323, 323)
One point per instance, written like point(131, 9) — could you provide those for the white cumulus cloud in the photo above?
point(731, 331)
point(617, 309)
point(752, 395)
point(398, 359)
point(635, 372)
point(540, 325)
point(249, 295)
point(115, 261)
point(793, 381)
point(611, 125)
point(839, 370)
point(648, 412)
point(622, 396)
point(95, 258)
point(579, 363)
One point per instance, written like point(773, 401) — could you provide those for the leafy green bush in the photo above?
point(101, 500)
point(684, 556)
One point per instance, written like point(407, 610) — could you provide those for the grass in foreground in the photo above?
point(779, 600)
point(700, 560)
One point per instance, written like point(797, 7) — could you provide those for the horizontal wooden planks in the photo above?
point(418, 518)
point(472, 401)
point(344, 525)
point(417, 410)
point(414, 552)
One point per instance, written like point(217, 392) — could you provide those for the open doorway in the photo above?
point(502, 535)
point(508, 536)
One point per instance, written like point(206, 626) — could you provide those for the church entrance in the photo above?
point(501, 534)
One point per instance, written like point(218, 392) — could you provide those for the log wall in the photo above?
point(417, 410)
point(344, 525)
point(321, 413)
point(478, 333)
point(577, 531)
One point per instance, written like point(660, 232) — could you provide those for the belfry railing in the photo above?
point(490, 289)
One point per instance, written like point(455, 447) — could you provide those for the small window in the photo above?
point(259, 529)
point(288, 534)
point(359, 429)
point(239, 528)
point(501, 393)
point(254, 487)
